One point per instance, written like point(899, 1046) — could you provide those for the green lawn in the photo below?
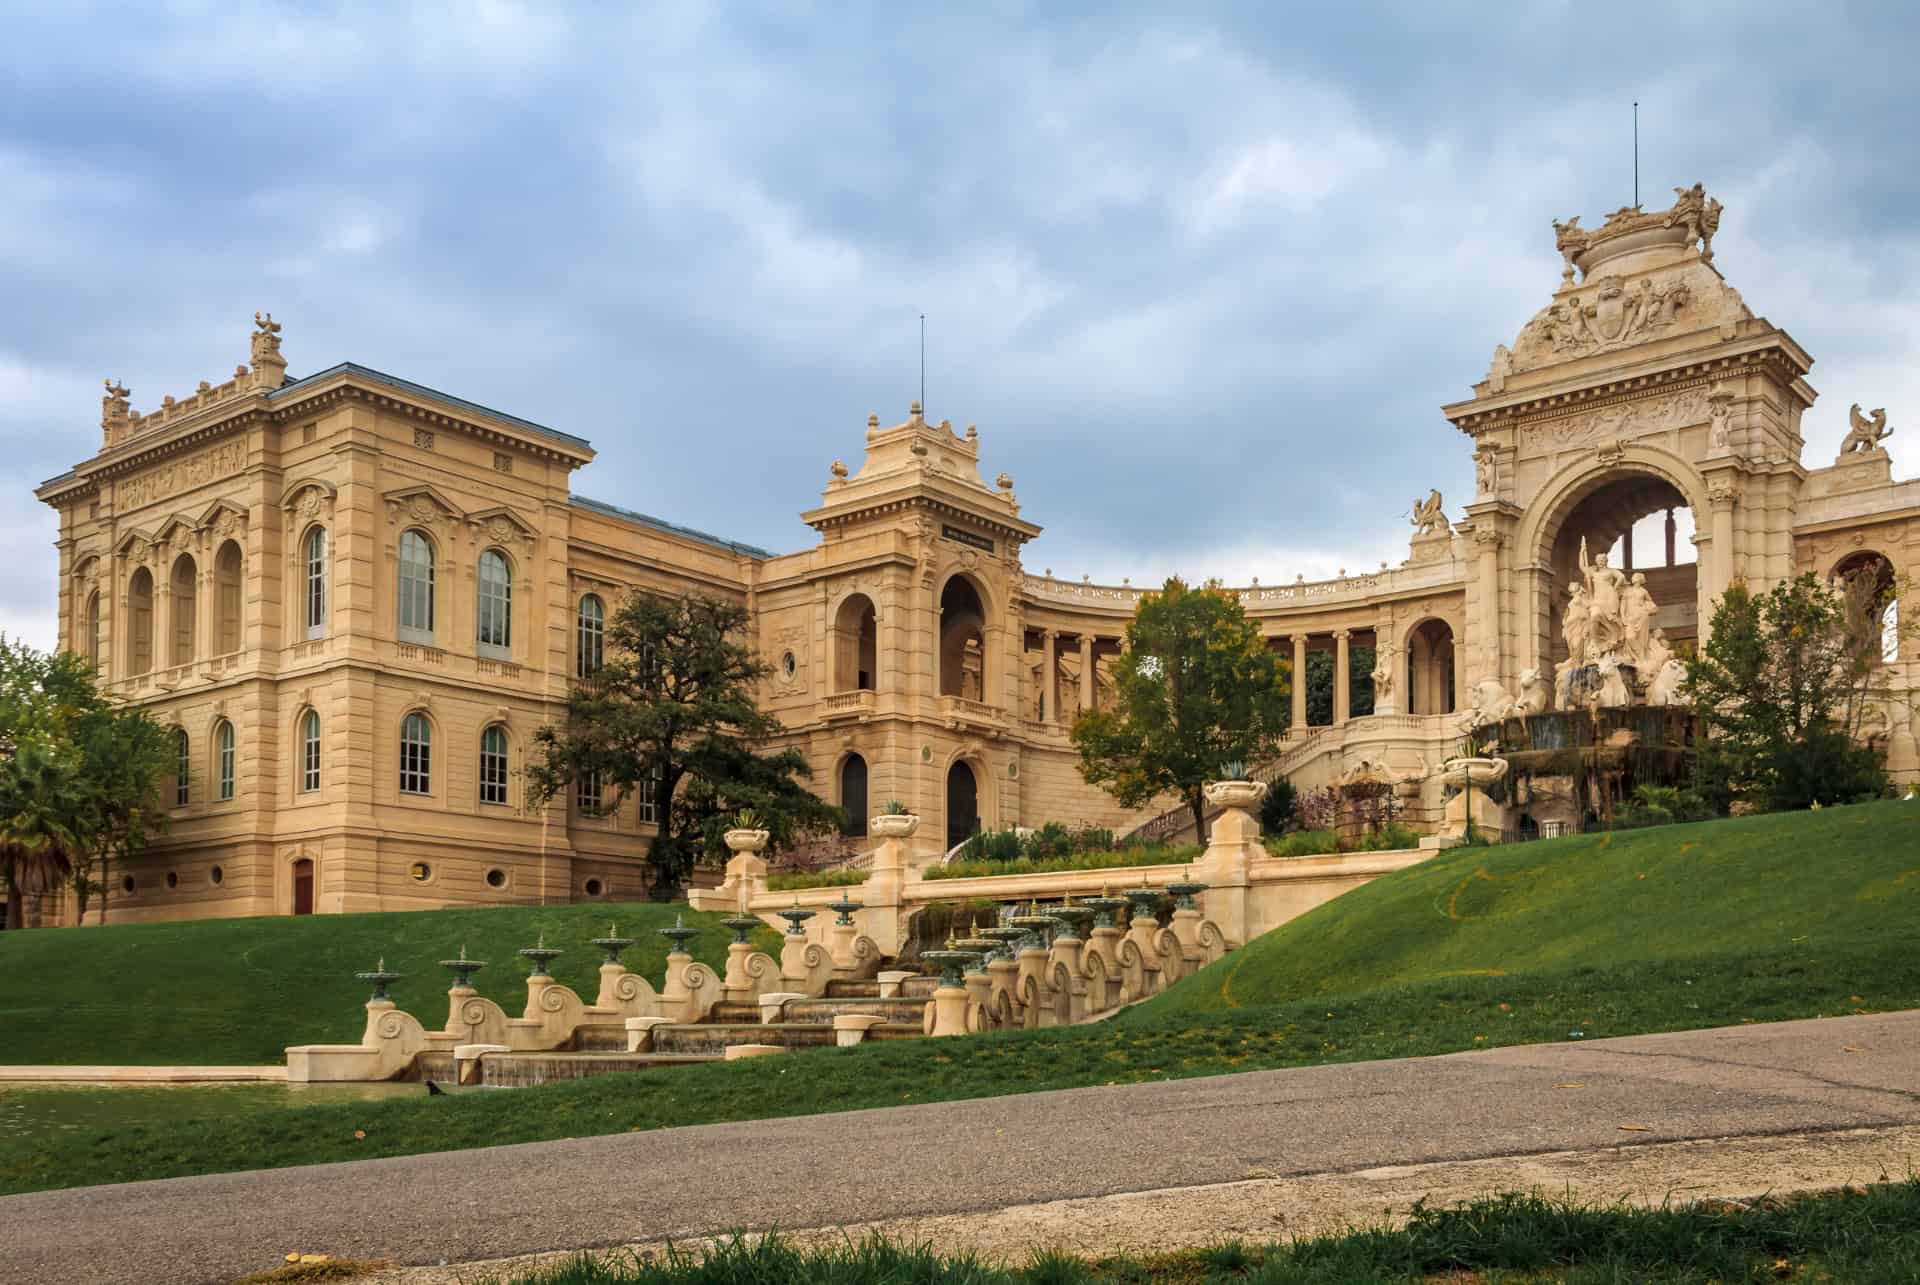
point(1760, 919)
point(1806, 883)
point(239, 991)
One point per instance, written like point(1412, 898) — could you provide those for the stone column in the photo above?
point(1299, 682)
point(1342, 676)
point(1487, 539)
point(1050, 677)
point(1086, 672)
point(1722, 495)
point(1670, 537)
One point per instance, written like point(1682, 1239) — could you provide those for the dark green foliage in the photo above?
point(1780, 689)
point(1319, 688)
point(1475, 948)
point(674, 705)
point(1277, 809)
point(1196, 688)
point(1055, 847)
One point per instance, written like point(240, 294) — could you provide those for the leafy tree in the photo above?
point(674, 705)
point(1197, 688)
point(1319, 680)
point(1780, 690)
point(80, 777)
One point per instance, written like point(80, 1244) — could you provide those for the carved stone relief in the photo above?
point(176, 476)
point(1623, 420)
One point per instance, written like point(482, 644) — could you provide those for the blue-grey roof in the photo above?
point(614, 510)
point(421, 390)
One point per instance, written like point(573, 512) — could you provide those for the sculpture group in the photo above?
point(1612, 644)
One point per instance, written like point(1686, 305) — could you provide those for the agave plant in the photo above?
point(1233, 770)
point(895, 808)
point(746, 819)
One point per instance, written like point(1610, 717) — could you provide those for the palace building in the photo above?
point(357, 598)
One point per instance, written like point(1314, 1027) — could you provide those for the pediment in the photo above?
point(223, 518)
point(422, 505)
point(501, 525)
point(177, 530)
point(311, 496)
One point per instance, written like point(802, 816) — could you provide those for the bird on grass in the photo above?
point(435, 1091)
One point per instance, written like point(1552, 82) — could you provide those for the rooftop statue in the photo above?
point(1867, 432)
point(1429, 516)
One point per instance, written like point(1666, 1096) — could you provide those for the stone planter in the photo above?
point(745, 840)
point(1235, 794)
point(893, 825)
point(1482, 771)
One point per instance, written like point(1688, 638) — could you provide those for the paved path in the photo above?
point(1793, 1077)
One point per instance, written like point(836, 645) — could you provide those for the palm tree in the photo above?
point(40, 802)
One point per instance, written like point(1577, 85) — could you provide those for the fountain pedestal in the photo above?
point(746, 875)
point(950, 1010)
point(1233, 843)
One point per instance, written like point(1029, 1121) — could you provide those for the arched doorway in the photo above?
point(1871, 590)
point(963, 622)
point(855, 645)
point(853, 796)
point(303, 886)
point(963, 804)
point(1641, 524)
point(1430, 672)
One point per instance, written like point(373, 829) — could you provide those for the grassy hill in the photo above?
point(1799, 894)
point(238, 991)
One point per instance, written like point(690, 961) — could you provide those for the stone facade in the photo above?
point(321, 580)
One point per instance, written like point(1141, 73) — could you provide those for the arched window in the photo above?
point(853, 796)
point(493, 765)
point(310, 752)
point(182, 762)
point(495, 632)
point(229, 574)
point(591, 642)
point(185, 585)
point(317, 582)
point(416, 588)
point(92, 639)
point(140, 621)
point(416, 755)
point(223, 759)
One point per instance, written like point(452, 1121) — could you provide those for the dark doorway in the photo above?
point(303, 886)
point(963, 804)
point(853, 796)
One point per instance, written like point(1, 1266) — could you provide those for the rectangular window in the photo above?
point(649, 802)
point(180, 771)
point(310, 761)
point(493, 767)
point(226, 762)
point(586, 793)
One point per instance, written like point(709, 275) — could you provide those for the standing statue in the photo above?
point(1636, 619)
point(1382, 676)
point(1720, 421)
point(1574, 625)
point(1429, 518)
point(1486, 471)
point(1658, 652)
point(1603, 602)
point(1866, 434)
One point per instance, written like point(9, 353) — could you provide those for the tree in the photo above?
point(1197, 688)
point(79, 775)
point(673, 710)
point(1780, 691)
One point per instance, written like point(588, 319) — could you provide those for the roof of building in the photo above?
point(614, 510)
point(421, 390)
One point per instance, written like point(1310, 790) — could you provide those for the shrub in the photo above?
point(794, 880)
point(1390, 838)
point(1277, 809)
point(1110, 859)
point(1303, 843)
point(1318, 809)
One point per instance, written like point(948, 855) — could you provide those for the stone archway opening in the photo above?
point(855, 645)
point(1642, 524)
point(963, 804)
point(1872, 595)
point(303, 886)
point(1430, 668)
point(963, 623)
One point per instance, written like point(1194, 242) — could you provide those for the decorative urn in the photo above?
point(1245, 795)
point(744, 840)
point(893, 825)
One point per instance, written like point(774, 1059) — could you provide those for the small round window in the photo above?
point(593, 887)
point(788, 665)
point(420, 872)
point(217, 874)
point(126, 884)
point(173, 880)
point(496, 878)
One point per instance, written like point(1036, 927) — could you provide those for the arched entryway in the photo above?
point(1641, 523)
point(1872, 595)
point(1430, 670)
point(963, 804)
point(853, 796)
point(963, 641)
point(855, 645)
point(303, 886)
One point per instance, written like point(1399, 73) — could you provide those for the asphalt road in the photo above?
point(1791, 1077)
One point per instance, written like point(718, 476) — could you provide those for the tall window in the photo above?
point(586, 793)
point(493, 765)
point(317, 582)
point(223, 751)
point(416, 755)
point(649, 802)
point(496, 605)
point(186, 584)
point(140, 621)
point(93, 628)
point(229, 573)
point(591, 646)
point(416, 588)
point(182, 751)
point(310, 751)
point(853, 796)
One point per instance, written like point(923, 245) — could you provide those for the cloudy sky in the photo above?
point(1201, 275)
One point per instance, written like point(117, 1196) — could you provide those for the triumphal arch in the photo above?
point(356, 598)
